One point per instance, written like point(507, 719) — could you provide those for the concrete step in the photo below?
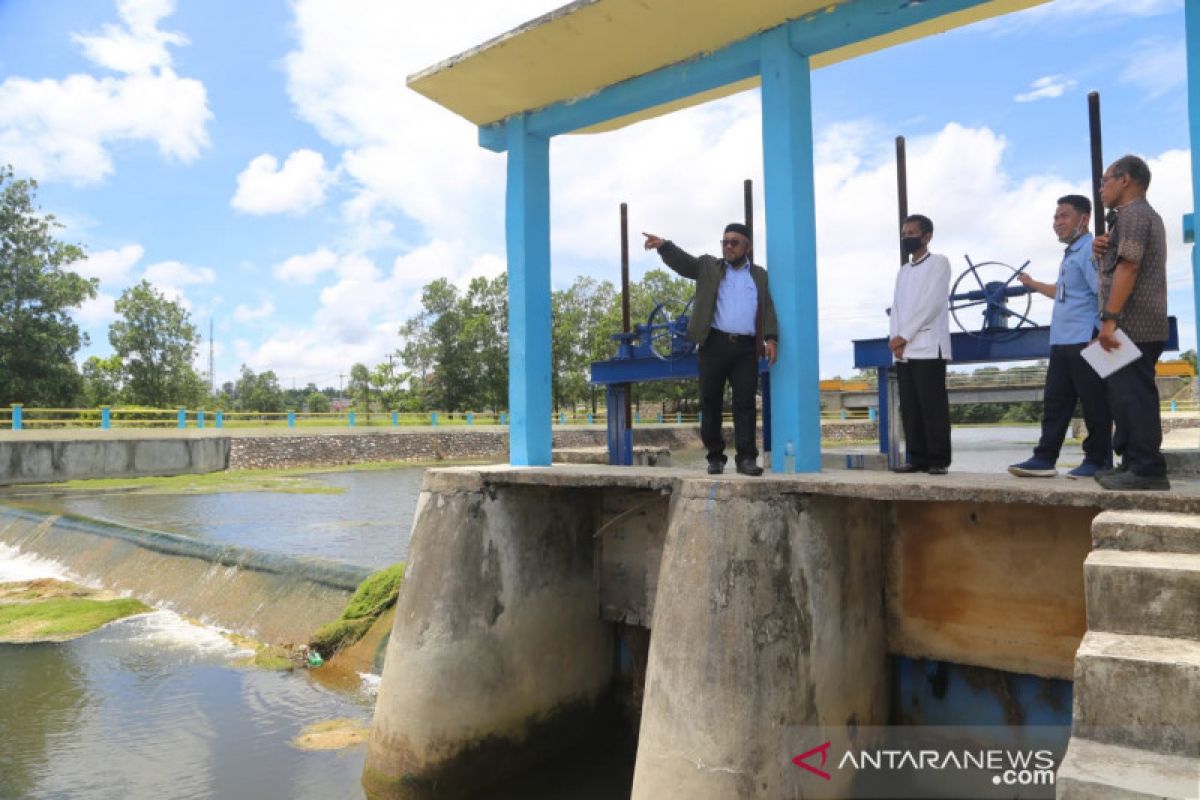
point(1095, 771)
point(1151, 531)
point(1138, 691)
point(1148, 594)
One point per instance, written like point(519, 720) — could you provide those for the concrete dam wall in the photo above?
point(47, 460)
point(776, 609)
point(274, 598)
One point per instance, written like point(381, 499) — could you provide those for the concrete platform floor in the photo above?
point(871, 484)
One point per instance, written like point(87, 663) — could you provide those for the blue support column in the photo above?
point(105, 417)
point(791, 247)
point(1192, 27)
point(17, 420)
point(181, 418)
point(527, 231)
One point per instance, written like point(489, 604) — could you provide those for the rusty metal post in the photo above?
point(1097, 161)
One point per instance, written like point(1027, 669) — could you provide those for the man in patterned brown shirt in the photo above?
point(1133, 296)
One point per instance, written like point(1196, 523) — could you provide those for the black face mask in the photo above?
point(911, 244)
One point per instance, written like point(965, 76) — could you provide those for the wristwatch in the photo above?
point(1111, 316)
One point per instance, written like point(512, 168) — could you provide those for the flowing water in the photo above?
point(154, 706)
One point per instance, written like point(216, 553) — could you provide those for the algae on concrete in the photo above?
point(374, 596)
point(48, 610)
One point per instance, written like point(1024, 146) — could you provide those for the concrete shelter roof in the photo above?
point(589, 45)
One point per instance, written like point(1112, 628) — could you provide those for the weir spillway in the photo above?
point(775, 608)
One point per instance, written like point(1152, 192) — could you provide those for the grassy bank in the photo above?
point(48, 610)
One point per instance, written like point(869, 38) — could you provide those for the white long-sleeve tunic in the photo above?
point(920, 310)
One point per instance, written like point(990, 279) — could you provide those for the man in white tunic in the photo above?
point(919, 339)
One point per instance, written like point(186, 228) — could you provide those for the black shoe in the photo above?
point(937, 470)
point(716, 467)
point(1119, 468)
point(904, 469)
point(749, 468)
point(1129, 481)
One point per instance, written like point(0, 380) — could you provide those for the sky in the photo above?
point(265, 164)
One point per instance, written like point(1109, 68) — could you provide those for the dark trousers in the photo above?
point(1133, 398)
point(1070, 378)
point(734, 359)
point(925, 410)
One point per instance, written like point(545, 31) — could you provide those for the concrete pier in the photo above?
point(772, 605)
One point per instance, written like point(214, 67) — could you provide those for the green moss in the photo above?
point(333, 636)
point(374, 595)
point(62, 617)
point(272, 657)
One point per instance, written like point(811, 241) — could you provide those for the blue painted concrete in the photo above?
point(1192, 25)
point(927, 692)
point(792, 247)
point(527, 231)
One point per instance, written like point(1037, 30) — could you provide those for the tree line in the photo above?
point(454, 355)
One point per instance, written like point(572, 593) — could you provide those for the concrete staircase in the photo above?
point(1136, 728)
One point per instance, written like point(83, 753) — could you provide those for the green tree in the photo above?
point(317, 403)
point(420, 352)
point(259, 392)
point(101, 381)
point(1190, 357)
point(360, 386)
point(38, 338)
point(484, 314)
point(585, 316)
point(156, 342)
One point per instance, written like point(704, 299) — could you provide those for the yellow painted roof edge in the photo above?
point(439, 81)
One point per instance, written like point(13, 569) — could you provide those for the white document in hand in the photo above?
point(1106, 362)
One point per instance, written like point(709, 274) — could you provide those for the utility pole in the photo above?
point(340, 376)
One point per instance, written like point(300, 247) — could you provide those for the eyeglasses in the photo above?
point(731, 242)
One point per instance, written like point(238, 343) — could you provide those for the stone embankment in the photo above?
point(296, 450)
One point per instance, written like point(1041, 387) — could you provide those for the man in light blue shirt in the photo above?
point(1072, 326)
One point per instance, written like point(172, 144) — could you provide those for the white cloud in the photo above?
point(65, 129)
point(361, 312)
point(245, 313)
point(97, 312)
point(1157, 68)
point(1080, 17)
point(307, 267)
point(264, 187)
point(138, 47)
point(401, 153)
point(1047, 87)
point(176, 274)
point(110, 266)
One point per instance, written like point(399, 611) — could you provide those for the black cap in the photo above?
point(737, 227)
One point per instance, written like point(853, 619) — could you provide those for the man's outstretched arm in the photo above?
point(677, 259)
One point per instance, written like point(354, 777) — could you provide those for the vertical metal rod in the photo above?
point(628, 393)
point(889, 406)
point(1097, 161)
point(624, 268)
point(901, 190)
